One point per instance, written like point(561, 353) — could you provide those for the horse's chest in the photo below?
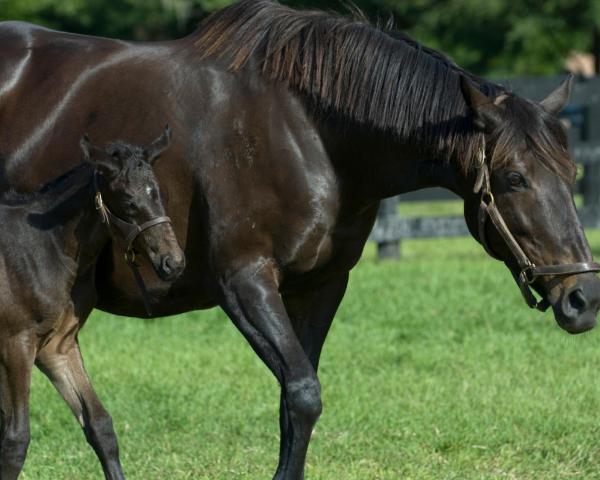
point(311, 246)
point(305, 243)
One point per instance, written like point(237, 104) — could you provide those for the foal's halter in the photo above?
point(127, 233)
point(528, 271)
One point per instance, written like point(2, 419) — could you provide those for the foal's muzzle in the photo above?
point(171, 267)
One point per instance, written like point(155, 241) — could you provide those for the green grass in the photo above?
point(434, 369)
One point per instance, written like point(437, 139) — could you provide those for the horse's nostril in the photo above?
point(167, 264)
point(577, 300)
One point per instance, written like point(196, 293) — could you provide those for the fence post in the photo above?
point(591, 171)
point(388, 248)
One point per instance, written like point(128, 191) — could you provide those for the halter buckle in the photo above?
point(130, 256)
point(99, 203)
point(482, 156)
point(481, 170)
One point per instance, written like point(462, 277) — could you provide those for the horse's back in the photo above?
point(22, 42)
point(66, 83)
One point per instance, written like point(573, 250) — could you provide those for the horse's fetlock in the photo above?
point(14, 445)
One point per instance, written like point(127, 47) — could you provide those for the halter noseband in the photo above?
point(127, 233)
point(528, 271)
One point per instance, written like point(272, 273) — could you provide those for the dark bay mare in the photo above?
point(291, 127)
point(49, 248)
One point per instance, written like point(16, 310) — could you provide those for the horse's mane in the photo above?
point(69, 181)
point(55, 189)
point(376, 77)
point(370, 75)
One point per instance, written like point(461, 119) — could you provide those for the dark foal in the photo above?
point(49, 248)
point(292, 127)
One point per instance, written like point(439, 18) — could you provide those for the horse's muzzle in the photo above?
point(576, 306)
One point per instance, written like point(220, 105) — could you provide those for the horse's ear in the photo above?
point(97, 157)
point(558, 99)
point(487, 114)
point(158, 146)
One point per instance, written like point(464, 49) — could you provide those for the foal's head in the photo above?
point(129, 189)
point(531, 179)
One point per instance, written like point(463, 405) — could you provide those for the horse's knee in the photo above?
point(303, 398)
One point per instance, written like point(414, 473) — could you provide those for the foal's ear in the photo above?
point(487, 114)
point(97, 157)
point(558, 99)
point(158, 146)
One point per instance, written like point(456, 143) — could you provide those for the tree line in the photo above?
point(491, 37)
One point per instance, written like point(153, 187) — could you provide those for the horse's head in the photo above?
point(132, 202)
point(522, 207)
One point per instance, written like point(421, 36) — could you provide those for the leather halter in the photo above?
point(528, 271)
point(127, 233)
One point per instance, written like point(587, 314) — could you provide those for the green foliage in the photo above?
point(434, 369)
point(495, 37)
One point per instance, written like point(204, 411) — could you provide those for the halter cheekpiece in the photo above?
point(127, 232)
point(528, 271)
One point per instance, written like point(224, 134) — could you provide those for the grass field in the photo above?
point(434, 369)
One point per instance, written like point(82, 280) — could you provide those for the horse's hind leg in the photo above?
point(61, 361)
point(252, 300)
point(17, 354)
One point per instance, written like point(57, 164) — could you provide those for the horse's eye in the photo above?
point(131, 207)
point(515, 179)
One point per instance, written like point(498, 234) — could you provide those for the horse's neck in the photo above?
point(76, 229)
point(377, 165)
point(90, 237)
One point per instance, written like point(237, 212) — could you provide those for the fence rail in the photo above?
point(583, 118)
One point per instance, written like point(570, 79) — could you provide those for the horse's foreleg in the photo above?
point(252, 300)
point(312, 312)
point(17, 354)
point(61, 361)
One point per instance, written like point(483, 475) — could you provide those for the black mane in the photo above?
point(54, 190)
point(376, 77)
point(72, 180)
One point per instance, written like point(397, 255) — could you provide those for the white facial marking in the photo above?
point(149, 190)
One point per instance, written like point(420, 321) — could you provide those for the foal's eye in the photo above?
point(516, 180)
point(131, 207)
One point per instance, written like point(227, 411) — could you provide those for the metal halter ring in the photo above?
point(487, 197)
point(528, 275)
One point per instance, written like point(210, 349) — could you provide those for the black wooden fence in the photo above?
point(583, 116)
